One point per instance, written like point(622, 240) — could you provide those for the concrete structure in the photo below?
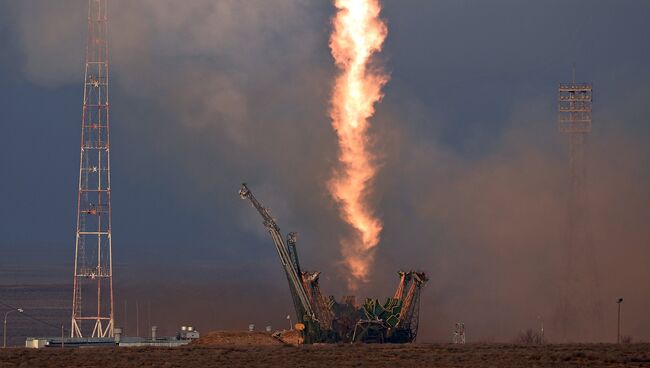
point(183, 337)
point(188, 333)
point(68, 342)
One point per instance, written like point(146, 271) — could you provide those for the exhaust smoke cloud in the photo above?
point(473, 171)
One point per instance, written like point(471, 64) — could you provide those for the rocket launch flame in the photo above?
point(358, 34)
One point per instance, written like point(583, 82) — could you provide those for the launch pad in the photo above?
point(323, 319)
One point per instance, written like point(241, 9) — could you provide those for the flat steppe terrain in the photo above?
point(408, 355)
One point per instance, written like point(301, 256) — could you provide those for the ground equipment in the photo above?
point(326, 320)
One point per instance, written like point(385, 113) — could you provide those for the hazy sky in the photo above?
point(206, 94)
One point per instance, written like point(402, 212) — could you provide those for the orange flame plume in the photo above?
point(358, 34)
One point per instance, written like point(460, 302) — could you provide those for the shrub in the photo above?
point(529, 337)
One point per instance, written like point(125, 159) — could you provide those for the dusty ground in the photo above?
point(245, 338)
point(471, 355)
point(237, 338)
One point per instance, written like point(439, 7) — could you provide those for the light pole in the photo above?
point(541, 330)
point(4, 340)
point(618, 329)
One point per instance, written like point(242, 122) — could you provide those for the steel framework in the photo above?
point(322, 319)
point(92, 302)
point(459, 333)
point(574, 109)
point(574, 120)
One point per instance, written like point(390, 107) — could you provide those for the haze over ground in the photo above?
point(208, 94)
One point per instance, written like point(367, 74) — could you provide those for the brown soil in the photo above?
point(291, 337)
point(239, 338)
point(344, 355)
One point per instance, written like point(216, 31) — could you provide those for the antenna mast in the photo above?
point(92, 302)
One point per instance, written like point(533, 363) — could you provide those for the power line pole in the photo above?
point(149, 315)
point(4, 333)
point(618, 325)
point(137, 318)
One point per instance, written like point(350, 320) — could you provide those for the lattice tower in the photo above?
point(579, 305)
point(92, 303)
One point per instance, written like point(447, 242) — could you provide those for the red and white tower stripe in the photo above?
point(92, 303)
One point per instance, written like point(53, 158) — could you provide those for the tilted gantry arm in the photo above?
point(292, 238)
point(411, 303)
point(404, 280)
point(322, 306)
point(290, 268)
point(269, 222)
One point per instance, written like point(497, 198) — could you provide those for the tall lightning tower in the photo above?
point(92, 302)
point(579, 306)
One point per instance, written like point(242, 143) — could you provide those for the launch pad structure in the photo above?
point(323, 319)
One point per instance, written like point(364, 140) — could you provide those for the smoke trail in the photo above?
point(358, 33)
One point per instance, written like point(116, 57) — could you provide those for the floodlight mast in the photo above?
point(575, 100)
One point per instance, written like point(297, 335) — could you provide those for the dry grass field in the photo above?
point(410, 355)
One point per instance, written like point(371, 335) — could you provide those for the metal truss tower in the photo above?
point(92, 302)
point(579, 306)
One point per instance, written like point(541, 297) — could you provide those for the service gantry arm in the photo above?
point(322, 306)
point(404, 280)
point(411, 304)
point(287, 263)
point(292, 238)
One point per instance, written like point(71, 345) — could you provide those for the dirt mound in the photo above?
point(290, 337)
point(244, 338)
